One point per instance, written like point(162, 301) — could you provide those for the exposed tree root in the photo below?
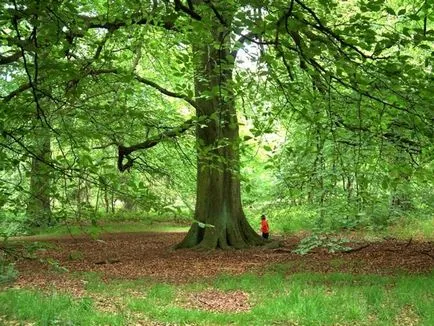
point(227, 239)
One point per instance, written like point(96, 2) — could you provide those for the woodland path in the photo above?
point(149, 255)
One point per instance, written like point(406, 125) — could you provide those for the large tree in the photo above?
point(220, 220)
point(80, 55)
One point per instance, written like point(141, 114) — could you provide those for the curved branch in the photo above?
point(219, 16)
point(101, 22)
point(124, 151)
point(188, 10)
point(14, 93)
point(325, 30)
point(148, 82)
point(9, 59)
point(251, 38)
point(324, 71)
point(165, 91)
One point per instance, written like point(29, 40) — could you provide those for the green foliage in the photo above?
point(75, 255)
point(334, 102)
point(55, 265)
point(108, 227)
point(305, 299)
point(8, 272)
point(284, 218)
point(162, 293)
point(321, 240)
point(12, 224)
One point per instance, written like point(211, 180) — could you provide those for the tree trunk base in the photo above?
point(210, 238)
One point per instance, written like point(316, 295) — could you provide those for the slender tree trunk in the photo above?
point(401, 199)
point(129, 204)
point(38, 206)
point(98, 191)
point(112, 200)
point(218, 199)
point(106, 200)
point(78, 199)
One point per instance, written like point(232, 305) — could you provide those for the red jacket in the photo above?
point(264, 226)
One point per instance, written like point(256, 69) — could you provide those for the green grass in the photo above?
point(276, 298)
point(53, 309)
point(421, 229)
point(296, 219)
point(404, 230)
point(111, 227)
point(412, 228)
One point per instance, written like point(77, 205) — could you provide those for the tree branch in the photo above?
point(32, 81)
point(400, 141)
point(249, 37)
point(188, 10)
point(101, 22)
point(14, 93)
point(123, 151)
point(149, 83)
point(165, 91)
point(324, 71)
point(324, 29)
point(216, 13)
point(101, 45)
point(9, 59)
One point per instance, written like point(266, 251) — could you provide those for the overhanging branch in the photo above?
point(325, 30)
point(165, 91)
point(9, 59)
point(219, 16)
point(14, 93)
point(147, 82)
point(123, 151)
point(101, 22)
point(188, 10)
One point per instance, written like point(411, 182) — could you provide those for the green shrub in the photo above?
point(321, 240)
point(12, 224)
point(8, 273)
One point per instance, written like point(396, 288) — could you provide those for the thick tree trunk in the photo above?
point(38, 206)
point(218, 198)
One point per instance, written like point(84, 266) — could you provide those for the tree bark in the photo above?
point(218, 197)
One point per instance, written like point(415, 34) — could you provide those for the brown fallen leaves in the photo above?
point(218, 301)
point(149, 255)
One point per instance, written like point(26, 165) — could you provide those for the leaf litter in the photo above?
point(150, 256)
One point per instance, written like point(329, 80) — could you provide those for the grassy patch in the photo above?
point(412, 228)
point(115, 227)
point(404, 230)
point(274, 298)
point(53, 309)
point(305, 218)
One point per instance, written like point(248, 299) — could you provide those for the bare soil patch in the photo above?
point(150, 255)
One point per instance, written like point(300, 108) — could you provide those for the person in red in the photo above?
point(265, 229)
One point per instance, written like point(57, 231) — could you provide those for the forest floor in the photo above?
point(138, 279)
point(150, 255)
